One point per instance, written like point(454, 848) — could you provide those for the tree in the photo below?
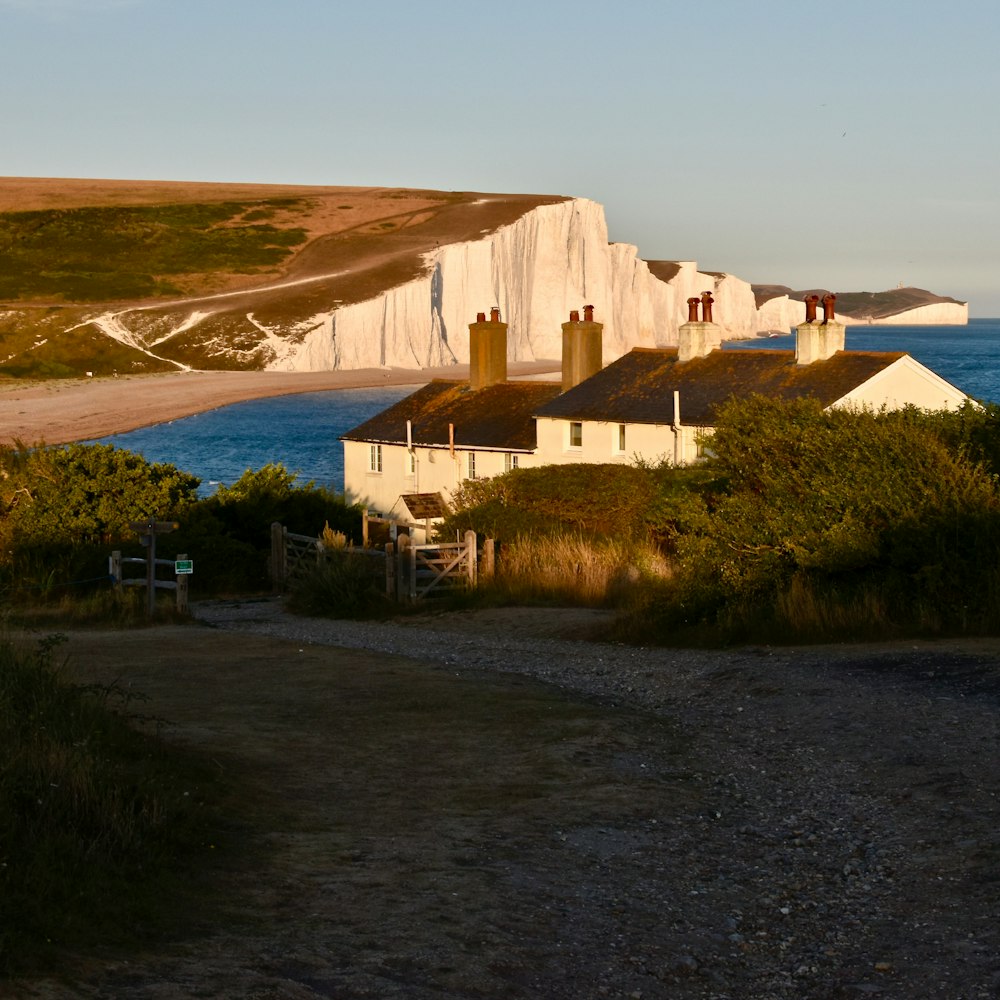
point(85, 493)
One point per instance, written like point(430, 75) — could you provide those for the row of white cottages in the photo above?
point(650, 404)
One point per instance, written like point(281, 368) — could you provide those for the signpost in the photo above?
point(148, 530)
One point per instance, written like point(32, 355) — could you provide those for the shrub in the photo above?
point(623, 501)
point(835, 510)
point(344, 584)
point(84, 493)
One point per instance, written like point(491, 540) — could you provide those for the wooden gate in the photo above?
point(290, 554)
point(440, 567)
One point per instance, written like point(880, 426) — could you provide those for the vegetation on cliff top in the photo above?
point(106, 254)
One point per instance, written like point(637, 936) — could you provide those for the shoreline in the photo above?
point(65, 411)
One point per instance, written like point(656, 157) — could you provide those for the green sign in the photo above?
point(183, 566)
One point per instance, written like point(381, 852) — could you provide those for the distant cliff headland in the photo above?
point(119, 276)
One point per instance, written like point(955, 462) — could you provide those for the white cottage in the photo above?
point(651, 404)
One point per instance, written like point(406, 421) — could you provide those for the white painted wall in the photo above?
point(906, 382)
point(651, 443)
point(435, 470)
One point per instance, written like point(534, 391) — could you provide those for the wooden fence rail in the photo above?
point(116, 563)
point(412, 572)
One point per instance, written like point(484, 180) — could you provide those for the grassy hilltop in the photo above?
point(76, 249)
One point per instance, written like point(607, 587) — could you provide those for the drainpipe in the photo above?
point(678, 430)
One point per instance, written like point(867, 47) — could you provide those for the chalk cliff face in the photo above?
point(934, 314)
point(779, 308)
point(554, 259)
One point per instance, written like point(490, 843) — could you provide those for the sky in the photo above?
point(852, 146)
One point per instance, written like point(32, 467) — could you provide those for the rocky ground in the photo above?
point(487, 805)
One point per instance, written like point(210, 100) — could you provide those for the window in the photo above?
point(510, 461)
point(472, 465)
point(621, 439)
point(375, 458)
point(411, 462)
point(576, 434)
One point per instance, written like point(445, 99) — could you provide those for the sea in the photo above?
point(302, 431)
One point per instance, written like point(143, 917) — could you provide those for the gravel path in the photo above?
point(846, 839)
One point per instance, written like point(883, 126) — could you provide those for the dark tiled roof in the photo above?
point(500, 416)
point(639, 387)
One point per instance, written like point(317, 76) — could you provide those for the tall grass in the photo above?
point(575, 569)
point(344, 584)
point(96, 818)
point(810, 608)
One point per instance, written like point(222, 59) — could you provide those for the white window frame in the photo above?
point(577, 426)
point(618, 444)
point(472, 465)
point(375, 458)
point(511, 461)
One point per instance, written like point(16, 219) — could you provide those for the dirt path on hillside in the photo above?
point(626, 823)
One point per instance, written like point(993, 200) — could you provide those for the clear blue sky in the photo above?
point(853, 145)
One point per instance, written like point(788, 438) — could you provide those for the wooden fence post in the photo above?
point(390, 570)
point(470, 544)
point(115, 569)
point(182, 587)
point(402, 565)
point(364, 528)
point(488, 565)
point(279, 568)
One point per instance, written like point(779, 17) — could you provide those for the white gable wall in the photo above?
point(905, 382)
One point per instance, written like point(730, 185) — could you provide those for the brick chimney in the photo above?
point(815, 340)
point(582, 348)
point(698, 337)
point(487, 350)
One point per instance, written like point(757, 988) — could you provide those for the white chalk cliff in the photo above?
point(554, 258)
point(933, 314)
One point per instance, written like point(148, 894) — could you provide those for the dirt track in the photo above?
point(759, 823)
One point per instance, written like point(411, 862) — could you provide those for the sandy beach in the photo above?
point(62, 411)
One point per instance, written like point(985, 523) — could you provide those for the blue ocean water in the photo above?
point(302, 431)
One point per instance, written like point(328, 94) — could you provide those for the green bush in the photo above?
point(835, 510)
point(229, 533)
point(63, 510)
point(84, 493)
point(343, 585)
point(623, 501)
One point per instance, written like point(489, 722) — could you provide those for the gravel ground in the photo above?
point(846, 838)
point(754, 824)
